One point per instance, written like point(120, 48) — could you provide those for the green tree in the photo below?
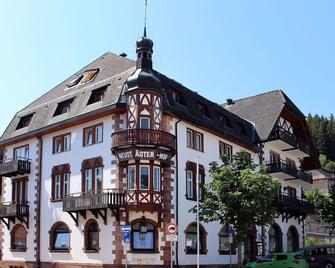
point(323, 204)
point(240, 194)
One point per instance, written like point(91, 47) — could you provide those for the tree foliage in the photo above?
point(322, 131)
point(240, 194)
point(324, 204)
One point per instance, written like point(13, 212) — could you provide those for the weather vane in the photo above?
point(145, 18)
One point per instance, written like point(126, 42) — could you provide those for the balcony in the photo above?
point(290, 207)
point(286, 141)
point(14, 210)
point(283, 170)
point(282, 139)
point(14, 167)
point(97, 203)
point(145, 138)
point(301, 150)
point(144, 201)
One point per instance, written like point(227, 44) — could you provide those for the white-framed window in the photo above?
point(66, 184)
point(98, 179)
point(88, 180)
point(131, 178)
point(58, 179)
point(98, 134)
point(157, 179)
point(88, 136)
point(194, 140)
point(93, 135)
point(67, 142)
point(198, 142)
point(145, 122)
point(21, 152)
point(189, 184)
point(144, 177)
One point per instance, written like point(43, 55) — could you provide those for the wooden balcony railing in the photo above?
point(12, 210)
point(14, 167)
point(93, 200)
point(130, 137)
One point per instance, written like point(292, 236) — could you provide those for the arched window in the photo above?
point(224, 245)
point(92, 236)
point(275, 239)
point(143, 236)
point(292, 239)
point(19, 238)
point(191, 239)
point(60, 237)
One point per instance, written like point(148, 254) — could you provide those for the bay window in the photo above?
point(144, 178)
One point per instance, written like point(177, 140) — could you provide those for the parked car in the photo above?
point(280, 260)
point(320, 256)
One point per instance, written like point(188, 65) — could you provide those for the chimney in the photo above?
point(230, 101)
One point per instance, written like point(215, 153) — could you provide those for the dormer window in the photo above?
point(24, 121)
point(241, 129)
point(90, 75)
point(225, 120)
point(201, 108)
point(75, 81)
point(97, 95)
point(63, 107)
point(177, 97)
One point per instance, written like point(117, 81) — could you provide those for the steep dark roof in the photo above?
point(113, 73)
point(263, 110)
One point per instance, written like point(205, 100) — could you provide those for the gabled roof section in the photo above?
point(263, 110)
point(113, 73)
point(213, 117)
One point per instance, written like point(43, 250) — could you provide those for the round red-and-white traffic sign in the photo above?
point(171, 229)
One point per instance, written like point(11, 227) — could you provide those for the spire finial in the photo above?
point(145, 19)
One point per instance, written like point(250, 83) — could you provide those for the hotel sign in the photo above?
point(145, 154)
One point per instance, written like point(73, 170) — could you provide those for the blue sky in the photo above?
point(219, 48)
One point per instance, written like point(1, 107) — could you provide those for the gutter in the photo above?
point(38, 204)
point(177, 183)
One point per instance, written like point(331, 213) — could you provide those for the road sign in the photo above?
point(230, 233)
point(126, 229)
point(172, 237)
point(171, 229)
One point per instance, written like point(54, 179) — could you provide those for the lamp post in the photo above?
point(198, 225)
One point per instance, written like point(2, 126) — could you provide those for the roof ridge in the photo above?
point(257, 95)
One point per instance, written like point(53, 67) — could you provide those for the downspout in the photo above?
point(38, 204)
point(177, 183)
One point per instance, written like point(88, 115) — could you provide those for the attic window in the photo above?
point(75, 81)
point(202, 108)
point(90, 75)
point(225, 120)
point(63, 107)
point(241, 129)
point(97, 95)
point(177, 97)
point(24, 121)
